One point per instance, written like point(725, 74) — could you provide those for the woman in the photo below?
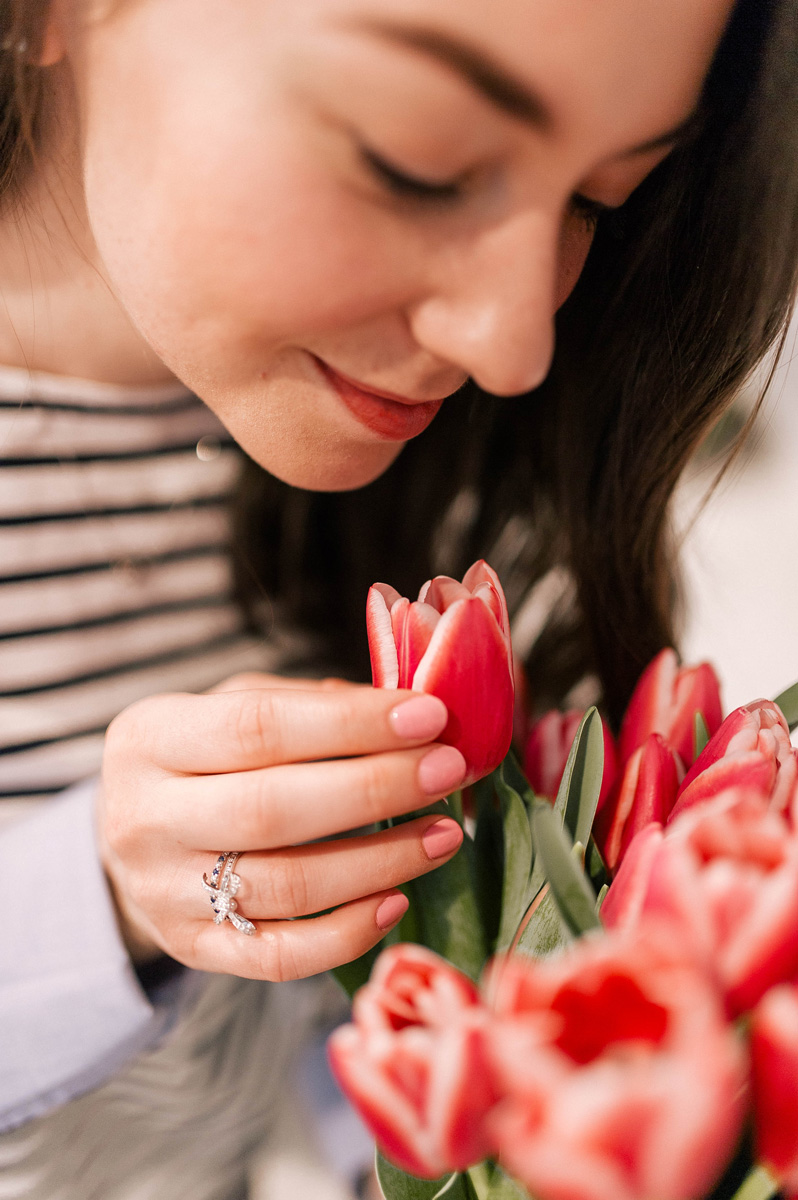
point(348, 227)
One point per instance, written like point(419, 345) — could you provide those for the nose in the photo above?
point(490, 301)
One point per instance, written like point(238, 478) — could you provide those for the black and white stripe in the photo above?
point(115, 574)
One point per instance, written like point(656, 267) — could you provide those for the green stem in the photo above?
point(759, 1184)
point(480, 1177)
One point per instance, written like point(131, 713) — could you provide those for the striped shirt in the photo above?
point(115, 572)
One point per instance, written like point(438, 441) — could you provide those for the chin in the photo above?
point(338, 471)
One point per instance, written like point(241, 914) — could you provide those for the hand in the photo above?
point(270, 769)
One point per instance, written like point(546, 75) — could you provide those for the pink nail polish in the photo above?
point(441, 771)
point(419, 719)
point(392, 909)
point(441, 839)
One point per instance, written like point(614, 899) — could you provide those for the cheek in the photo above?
point(224, 237)
point(576, 239)
point(246, 258)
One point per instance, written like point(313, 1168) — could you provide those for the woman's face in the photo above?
point(399, 192)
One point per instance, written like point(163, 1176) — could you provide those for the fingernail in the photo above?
point(441, 771)
point(420, 718)
point(441, 839)
point(392, 909)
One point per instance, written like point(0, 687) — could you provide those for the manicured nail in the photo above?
point(441, 771)
point(441, 839)
point(419, 719)
point(392, 909)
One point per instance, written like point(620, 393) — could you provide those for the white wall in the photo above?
point(741, 557)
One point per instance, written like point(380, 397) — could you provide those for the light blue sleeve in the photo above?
point(72, 1011)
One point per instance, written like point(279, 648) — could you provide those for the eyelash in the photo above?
point(589, 211)
point(410, 187)
point(400, 184)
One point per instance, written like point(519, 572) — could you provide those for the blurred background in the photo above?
point(741, 554)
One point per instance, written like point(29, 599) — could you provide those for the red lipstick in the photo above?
point(394, 418)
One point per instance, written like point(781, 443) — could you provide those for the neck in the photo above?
point(58, 311)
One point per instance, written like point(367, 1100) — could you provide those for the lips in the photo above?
point(393, 418)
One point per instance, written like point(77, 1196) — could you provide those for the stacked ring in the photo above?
point(222, 886)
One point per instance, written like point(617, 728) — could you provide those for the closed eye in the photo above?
point(588, 210)
point(412, 187)
point(401, 183)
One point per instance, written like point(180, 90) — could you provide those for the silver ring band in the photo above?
point(222, 886)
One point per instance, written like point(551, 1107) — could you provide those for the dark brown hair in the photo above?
point(684, 292)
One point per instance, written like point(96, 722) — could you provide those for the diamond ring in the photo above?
point(222, 886)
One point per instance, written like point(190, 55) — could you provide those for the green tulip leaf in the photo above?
point(447, 911)
point(605, 887)
point(517, 861)
point(580, 786)
point(570, 886)
point(544, 931)
point(488, 866)
point(398, 1185)
point(700, 734)
point(514, 777)
point(596, 867)
point(788, 703)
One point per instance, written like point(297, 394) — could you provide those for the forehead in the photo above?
point(632, 65)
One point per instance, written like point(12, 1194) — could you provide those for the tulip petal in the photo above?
point(774, 1061)
point(546, 750)
point(479, 574)
point(372, 1081)
point(738, 733)
point(624, 901)
point(646, 792)
point(697, 690)
point(764, 949)
point(443, 592)
point(641, 1079)
point(415, 1062)
point(421, 622)
point(466, 666)
point(751, 771)
point(382, 647)
point(649, 705)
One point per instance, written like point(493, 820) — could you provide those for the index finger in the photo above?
point(242, 731)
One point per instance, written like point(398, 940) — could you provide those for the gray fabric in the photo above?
point(182, 1120)
point(71, 1009)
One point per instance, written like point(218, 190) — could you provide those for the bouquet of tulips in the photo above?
point(597, 999)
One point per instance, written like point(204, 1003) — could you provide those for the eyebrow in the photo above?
point(494, 82)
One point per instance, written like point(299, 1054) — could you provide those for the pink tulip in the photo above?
point(665, 701)
point(621, 1079)
point(774, 1060)
point(413, 1063)
point(725, 876)
point(645, 792)
point(752, 750)
point(454, 642)
point(546, 753)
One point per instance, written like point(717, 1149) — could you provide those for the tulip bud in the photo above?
point(621, 1079)
point(751, 750)
point(453, 642)
point(725, 876)
point(665, 701)
point(645, 792)
point(413, 1063)
point(546, 753)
